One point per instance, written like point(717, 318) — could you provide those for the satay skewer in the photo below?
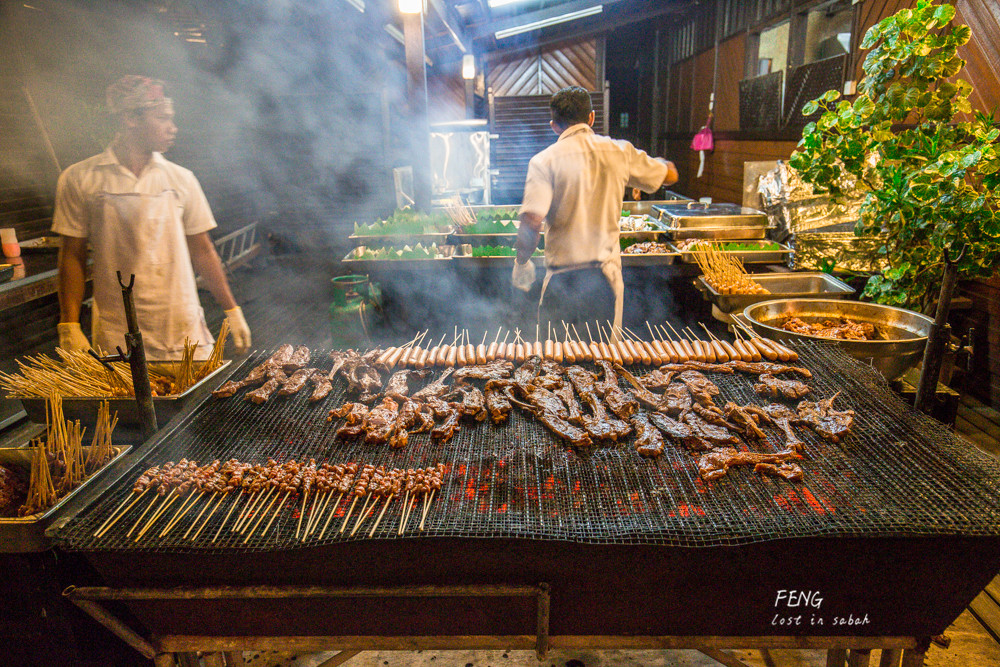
point(364, 515)
point(263, 514)
point(318, 499)
point(276, 513)
point(402, 514)
point(152, 502)
point(174, 495)
point(179, 514)
point(329, 517)
point(226, 520)
point(255, 497)
point(409, 511)
point(305, 501)
point(201, 514)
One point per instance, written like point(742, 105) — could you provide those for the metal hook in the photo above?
point(131, 280)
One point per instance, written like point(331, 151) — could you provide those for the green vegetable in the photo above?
point(406, 223)
point(406, 252)
point(497, 251)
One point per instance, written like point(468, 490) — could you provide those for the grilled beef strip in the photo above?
point(409, 415)
point(829, 424)
point(791, 471)
point(680, 431)
point(364, 379)
point(499, 369)
point(694, 365)
point(772, 387)
point(677, 400)
point(473, 403)
point(398, 385)
point(436, 388)
point(575, 435)
point(657, 379)
point(496, 400)
point(713, 465)
point(645, 396)
point(354, 413)
point(784, 417)
point(761, 367)
point(710, 432)
point(322, 386)
point(299, 358)
point(380, 422)
point(601, 425)
point(648, 441)
point(276, 378)
point(701, 388)
point(742, 419)
point(257, 374)
point(714, 416)
point(446, 429)
point(296, 381)
point(574, 411)
point(527, 371)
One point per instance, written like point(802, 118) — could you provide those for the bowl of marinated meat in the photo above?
point(890, 339)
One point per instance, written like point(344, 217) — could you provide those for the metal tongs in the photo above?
point(136, 358)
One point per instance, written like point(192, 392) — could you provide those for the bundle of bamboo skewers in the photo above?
point(458, 212)
point(62, 449)
point(724, 272)
point(79, 374)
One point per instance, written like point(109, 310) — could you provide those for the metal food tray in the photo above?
point(699, 215)
point(26, 534)
point(802, 285)
point(466, 257)
point(745, 256)
point(649, 259)
point(480, 239)
point(400, 239)
point(718, 233)
point(85, 408)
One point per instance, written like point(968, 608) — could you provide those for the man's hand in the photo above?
point(239, 329)
point(523, 276)
point(71, 337)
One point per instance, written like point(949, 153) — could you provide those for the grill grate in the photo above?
point(900, 473)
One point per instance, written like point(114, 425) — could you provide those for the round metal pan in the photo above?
point(904, 332)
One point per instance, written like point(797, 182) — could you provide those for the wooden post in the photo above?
point(936, 341)
point(890, 657)
point(416, 78)
point(836, 657)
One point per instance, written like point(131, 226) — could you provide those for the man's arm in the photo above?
point(672, 174)
point(207, 264)
point(72, 277)
point(529, 232)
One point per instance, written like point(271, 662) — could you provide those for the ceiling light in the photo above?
point(468, 67)
point(501, 3)
point(357, 4)
point(411, 6)
point(544, 23)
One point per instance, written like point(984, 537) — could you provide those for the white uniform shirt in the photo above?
point(139, 225)
point(577, 185)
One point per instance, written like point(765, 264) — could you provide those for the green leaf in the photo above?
point(962, 34)
point(809, 108)
point(831, 96)
point(872, 36)
point(944, 14)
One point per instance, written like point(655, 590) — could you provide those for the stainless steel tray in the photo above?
point(699, 214)
point(649, 259)
point(745, 256)
point(719, 233)
point(85, 408)
point(489, 239)
point(802, 285)
point(645, 207)
point(26, 534)
point(400, 239)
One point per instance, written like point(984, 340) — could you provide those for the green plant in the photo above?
point(931, 179)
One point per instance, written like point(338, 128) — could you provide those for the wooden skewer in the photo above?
point(647, 352)
point(348, 515)
point(260, 518)
point(427, 508)
point(409, 511)
point(365, 512)
point(209, 517)
point(317, 501)
point(470, 349)
point(156, 497)
point(319, 506)
point(244, 518)
point(200, 514)
point(700, 344)
point(305, 501)
point(402, 514)
point(381, 514)
point(226, 520)
point(169, 500)
point(276, 512)
point(481, 349)
point(329, 516)
point(502, 348)
point(677, 351)
point(179, 514)
point(612, 349)
point(692, 352)
point(432, 358)
point(491, 351)
point(119, 512)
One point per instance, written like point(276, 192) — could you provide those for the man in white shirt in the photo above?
point(143, 215)
point(575, 186)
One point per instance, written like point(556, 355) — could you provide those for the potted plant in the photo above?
point(929, 168)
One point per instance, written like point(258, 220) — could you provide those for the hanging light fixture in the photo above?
point(411, 6)
point(468, 67)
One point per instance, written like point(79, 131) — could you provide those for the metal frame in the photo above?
point(854, 651)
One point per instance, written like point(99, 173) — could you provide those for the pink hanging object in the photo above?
point(703, 141)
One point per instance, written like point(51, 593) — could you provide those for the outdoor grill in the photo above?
point(898, 524)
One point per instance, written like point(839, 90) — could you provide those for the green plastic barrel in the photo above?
point(355, 301)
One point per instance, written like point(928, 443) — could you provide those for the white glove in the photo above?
point(71, 337)
point(239, 329)
point(523, 276)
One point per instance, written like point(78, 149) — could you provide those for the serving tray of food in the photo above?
point(491, 255)
point(759, 251)
point(797, 285)
point(418, 256)
point(648, 253)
